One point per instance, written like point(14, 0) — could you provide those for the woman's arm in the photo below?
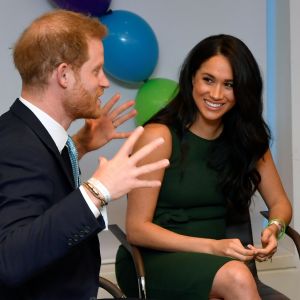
point(142, 203)
point(275, 197)
point(272, 191)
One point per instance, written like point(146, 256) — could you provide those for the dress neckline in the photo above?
point(201, 138)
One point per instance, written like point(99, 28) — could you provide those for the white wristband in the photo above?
point(102, 188)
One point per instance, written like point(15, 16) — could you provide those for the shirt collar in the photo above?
point(56, 131)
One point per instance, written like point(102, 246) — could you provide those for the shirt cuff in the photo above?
point(94, 209)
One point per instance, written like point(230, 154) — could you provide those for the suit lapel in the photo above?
point(28, 117)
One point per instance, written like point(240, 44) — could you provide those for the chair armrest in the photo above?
point(136, 257)
point(133, 250)
point(138, 261)
point(292, 233)
point(265, 214)
point(121, 236)
point(110, 287)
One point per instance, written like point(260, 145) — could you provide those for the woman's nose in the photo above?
point(216, 92)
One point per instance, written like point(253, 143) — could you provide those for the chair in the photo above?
point(238, 226)
point(111, 288)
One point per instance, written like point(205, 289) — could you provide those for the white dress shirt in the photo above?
point(60, 136)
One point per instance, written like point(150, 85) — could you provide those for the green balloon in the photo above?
point(153, 95)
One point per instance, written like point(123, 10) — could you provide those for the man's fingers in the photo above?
point(122, 135)
point(152, 167)
point(147, 149)
point(127, 147)
point(120, 109)
point(120, 120)
point(112, 101)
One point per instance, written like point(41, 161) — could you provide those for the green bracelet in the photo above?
point(280, 225)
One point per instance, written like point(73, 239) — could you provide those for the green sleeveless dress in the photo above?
point(189, 203)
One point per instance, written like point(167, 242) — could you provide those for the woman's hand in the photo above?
point(269, 244)
point(233, 248)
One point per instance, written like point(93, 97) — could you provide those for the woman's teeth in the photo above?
point(214, 105)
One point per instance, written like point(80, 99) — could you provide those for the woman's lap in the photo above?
point(170, 274)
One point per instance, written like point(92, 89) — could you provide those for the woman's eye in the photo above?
point(229, 84)
point(207, 79)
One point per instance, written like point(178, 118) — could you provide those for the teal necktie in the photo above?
point(74, 160)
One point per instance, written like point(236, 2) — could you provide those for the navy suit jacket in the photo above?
point(49, 247)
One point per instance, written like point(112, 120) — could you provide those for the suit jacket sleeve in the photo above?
point(42, 217)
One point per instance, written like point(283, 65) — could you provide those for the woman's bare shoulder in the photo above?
point(153, 131)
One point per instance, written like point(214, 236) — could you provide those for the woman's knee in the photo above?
point(238, 273)
point(233, 277)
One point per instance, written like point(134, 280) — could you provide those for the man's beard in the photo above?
point(81, 104)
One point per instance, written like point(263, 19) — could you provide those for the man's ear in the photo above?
point(63, 74)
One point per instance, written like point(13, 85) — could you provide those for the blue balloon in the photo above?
point(130, 48)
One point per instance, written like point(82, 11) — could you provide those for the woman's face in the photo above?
point(213, 89)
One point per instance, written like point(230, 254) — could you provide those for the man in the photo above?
point(49, 221)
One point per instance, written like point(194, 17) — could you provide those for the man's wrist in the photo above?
point(92, 202)
point(101, 188)
point(96, 193)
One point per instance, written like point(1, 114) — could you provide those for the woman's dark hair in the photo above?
point(245, 136)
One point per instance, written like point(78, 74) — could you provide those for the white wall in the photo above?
point(178, 25)
point(295, 75)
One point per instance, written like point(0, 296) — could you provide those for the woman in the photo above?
point(218, 146)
